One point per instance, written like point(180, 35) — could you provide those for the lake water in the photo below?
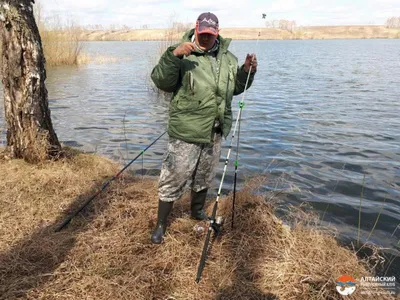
point(321, 118)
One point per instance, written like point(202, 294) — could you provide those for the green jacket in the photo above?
point(199, 98)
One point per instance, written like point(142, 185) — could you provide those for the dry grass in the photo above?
point(313, 32)
point(350, 32)
point(127, 35)
point(98, 59)
point(106, 252)
point(1, 58)
point(61, 47)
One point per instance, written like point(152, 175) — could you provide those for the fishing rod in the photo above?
point(217, 222)
point(241, 104)
point(104, 186)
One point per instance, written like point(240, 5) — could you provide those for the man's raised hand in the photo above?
point(184, 49)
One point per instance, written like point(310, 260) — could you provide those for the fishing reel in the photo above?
point(217, 224)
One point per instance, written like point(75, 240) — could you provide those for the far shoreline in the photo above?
point(300, 33)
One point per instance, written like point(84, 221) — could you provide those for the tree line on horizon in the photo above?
point(393, 22)
point(281, 24)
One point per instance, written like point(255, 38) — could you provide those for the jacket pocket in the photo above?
point(186, 103)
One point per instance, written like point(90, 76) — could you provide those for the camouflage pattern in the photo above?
point(184, 162)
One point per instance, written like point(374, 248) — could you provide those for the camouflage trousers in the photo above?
point(188, 161)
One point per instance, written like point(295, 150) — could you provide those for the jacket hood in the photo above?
point(223, 43)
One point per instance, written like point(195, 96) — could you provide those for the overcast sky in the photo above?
point(247, 13)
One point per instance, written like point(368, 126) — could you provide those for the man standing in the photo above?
point(203, 77)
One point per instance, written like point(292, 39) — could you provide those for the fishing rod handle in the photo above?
point(203, 255)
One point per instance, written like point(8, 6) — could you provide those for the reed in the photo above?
point(397, 227)
point(61, 48)
point(60, 38)
point(359, 212)
point(377, 218)
point(60, 41)
point(83, 58)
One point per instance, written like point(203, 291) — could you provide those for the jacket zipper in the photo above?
point(191, 82)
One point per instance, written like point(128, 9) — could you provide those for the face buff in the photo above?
point(210, 51)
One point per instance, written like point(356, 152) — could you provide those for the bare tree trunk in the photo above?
point(30, 133)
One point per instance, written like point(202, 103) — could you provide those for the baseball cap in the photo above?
point(207, 23)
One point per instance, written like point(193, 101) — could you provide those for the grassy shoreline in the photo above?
point(106, 253)
point(315, 32)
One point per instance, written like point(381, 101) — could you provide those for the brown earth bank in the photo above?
point(106, 253)
point(316, 32)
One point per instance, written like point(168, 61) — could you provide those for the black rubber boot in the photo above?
point(164, 209)
point(198, 199)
